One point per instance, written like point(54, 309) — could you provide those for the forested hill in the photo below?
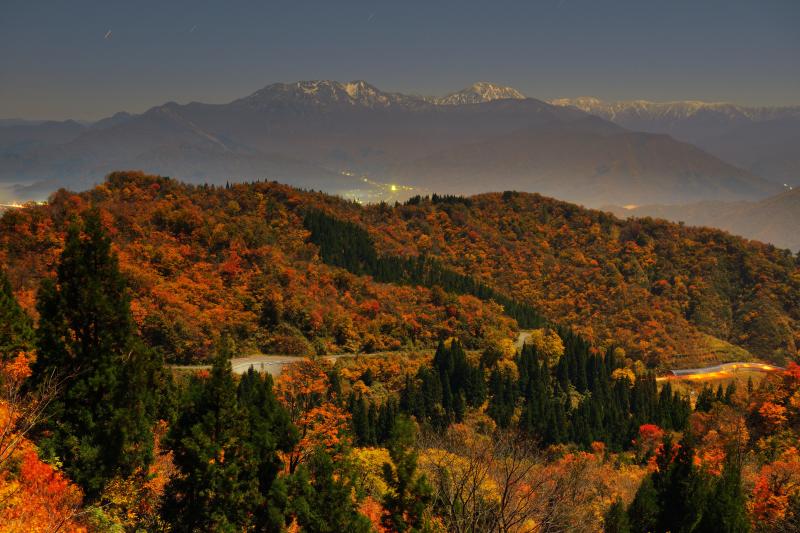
point(670, 294)
point(248, 259)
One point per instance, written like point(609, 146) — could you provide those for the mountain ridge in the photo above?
point(763, 140)
point(326, 134)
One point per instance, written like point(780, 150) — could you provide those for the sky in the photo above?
point(89, 59)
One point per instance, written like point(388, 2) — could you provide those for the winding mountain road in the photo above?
point(274, 364)
point(718, 371)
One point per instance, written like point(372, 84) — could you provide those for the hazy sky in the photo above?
point(58, 60)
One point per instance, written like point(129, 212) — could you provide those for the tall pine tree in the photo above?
point(323, 496)
point(270, 432)
point(16, 331)
point(217, 484)
point(725, 511)
point(100, 425)
point(409, 494)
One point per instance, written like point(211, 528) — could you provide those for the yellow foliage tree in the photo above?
point(548, 343)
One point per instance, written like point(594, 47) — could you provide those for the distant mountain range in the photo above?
point(763, 140)
point(330, 135)
point(775, 219)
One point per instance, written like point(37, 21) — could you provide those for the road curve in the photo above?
point(274, 364)
point(719, 371)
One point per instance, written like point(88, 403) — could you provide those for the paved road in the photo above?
point(522, 337)
point(722, 370)
point(274, 364)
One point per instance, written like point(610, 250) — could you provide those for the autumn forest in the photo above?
point(492, 363)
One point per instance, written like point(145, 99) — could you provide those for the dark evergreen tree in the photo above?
point(360, 420)
point(335, 391)
point(270, 431)
point(682, 489)
point(367, 377)
point(217, 485)
point(725, 510)
point(720, 397)
point(502, 398)
point(730, 391)
point(16, 327)
point(321, 495)
point(408, 495)
point(705, 400)
point(387, 415)
point(644, 510)
point(101, 424)
point(616, 518)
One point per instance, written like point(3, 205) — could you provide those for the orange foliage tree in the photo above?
point(34, 496)
point(303, 389)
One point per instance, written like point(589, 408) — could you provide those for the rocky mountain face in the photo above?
point(764, 140)
point(327, 135)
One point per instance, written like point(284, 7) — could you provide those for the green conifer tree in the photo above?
point(616, 519)
point(217, 485)
point(270, 432)
point(322, 496)
point(101, 424)
point(644, 510)
point(725, 511)
point(16, 330)
point(682, 489)
point(409, 494)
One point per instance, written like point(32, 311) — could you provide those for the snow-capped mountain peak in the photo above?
point(480, 92)
point(327, 93)
point(676, 110)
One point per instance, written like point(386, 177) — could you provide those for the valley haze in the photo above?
point(369, 145)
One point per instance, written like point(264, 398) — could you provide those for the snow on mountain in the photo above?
point(478, 93)
point(764, 140)
point(327, 93)
point(678, 110)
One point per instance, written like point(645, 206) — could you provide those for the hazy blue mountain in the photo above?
point(764, 140)
point(775, 219)
point(327, 134)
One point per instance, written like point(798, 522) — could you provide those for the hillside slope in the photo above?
point(587, 163)
point(764, 140)
point(203, 261)
point(775, 219)
point(668, 293)
point(239, 259)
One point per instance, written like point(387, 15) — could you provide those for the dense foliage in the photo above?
point(238, 260)
point(203, 261)
point(560, 432)
point(666, 293)
point(575, 401)
point(344, 244)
